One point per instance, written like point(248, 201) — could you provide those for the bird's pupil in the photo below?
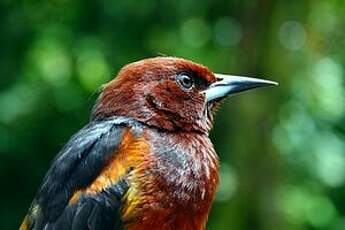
point(186, 81)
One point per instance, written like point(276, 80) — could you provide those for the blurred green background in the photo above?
point(282, 149)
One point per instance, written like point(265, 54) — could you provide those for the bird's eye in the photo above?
point(184, 81)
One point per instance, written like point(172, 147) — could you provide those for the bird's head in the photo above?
point(169, 93)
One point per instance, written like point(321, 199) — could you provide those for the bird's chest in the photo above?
point(177, 186)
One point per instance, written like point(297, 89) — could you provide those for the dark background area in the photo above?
point(282, 149)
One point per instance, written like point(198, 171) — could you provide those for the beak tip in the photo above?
point(265, 82)
point(274, 83)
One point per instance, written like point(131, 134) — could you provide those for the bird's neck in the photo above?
point(188, 159)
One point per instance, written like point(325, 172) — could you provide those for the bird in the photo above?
point(145, 159)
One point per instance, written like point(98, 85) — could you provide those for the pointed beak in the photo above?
point(228, 85)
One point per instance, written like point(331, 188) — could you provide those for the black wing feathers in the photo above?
point(94, 212)
point(75, 167)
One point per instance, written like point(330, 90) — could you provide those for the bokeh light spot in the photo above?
point(195, 32)
point(92, 69)
point(330, 159)
point(16, 101)
point(296, 128)
point(300, 205)
point(53, 62)
point(292, 35)
point(227, 32)
point(320, 211)
point(329, 92)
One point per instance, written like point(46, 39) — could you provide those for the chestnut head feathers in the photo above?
point(169, 93)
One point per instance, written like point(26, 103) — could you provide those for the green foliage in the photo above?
point(282, 149)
